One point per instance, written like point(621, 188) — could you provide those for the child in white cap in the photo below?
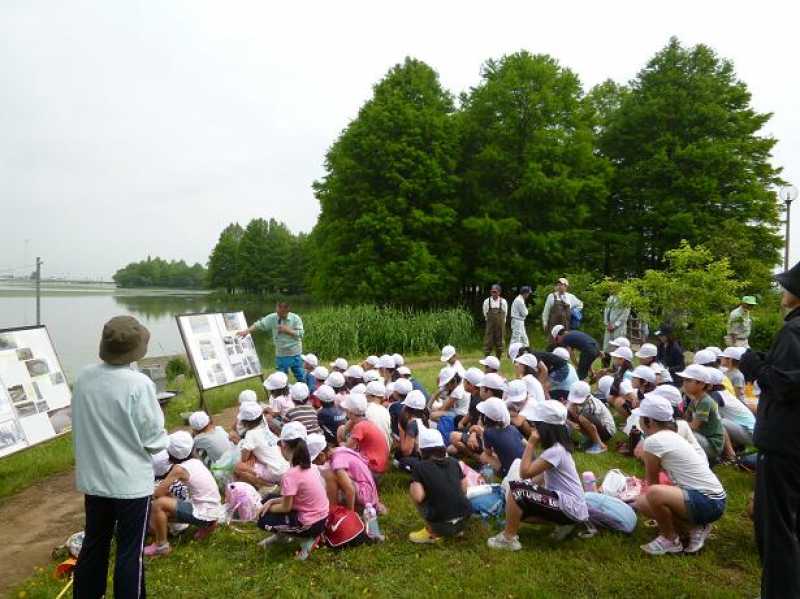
point(302, 412)
point(466, 440)
point(210, 442)
point(363, 436)
point(330, 416)
point(301, 509)
point(592, 416)
point(450, 357)
point(560, 499)
point(437, 490)
point(237, 432)
point(261, 460)
point(702, 412)
point(377, 413)
point(277, 386)
point(412, 419)
point(502, 441)
point(454, 400)
point(697, 498)
point(202, 508)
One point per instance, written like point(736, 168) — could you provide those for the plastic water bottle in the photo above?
point(487, 472)
point(371, 523)
point(589, 482)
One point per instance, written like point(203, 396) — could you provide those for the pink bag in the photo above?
point(242, 502)
point(473, 477)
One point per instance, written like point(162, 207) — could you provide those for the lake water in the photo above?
point(74, 315)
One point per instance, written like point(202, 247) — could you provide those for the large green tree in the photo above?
point(532, 183)
point(690, 164)
point(157, 272)
point(223, 264)
point(388, 228)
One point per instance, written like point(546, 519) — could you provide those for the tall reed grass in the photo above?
point(367, 329)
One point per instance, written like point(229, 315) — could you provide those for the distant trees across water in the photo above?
point(157, 272)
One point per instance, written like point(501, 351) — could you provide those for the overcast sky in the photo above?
point(133, 128)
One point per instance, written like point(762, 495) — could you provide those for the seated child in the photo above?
point(702, 412)
point(464, 440)
point(438, 491)
point(490, 365)
point(377, 413)
point(302, 508)
point(339, 365)
point(502, 441)
point(277, 386)
point(516, 397)
point(203, 507)
point(560, 499)
point(210, 442)
point(348, 479)
point(396, 392)
point(561, 374)
point(320, 375)
point(695, 501)
point(730, 362)
point(262, 462)
point(330, 417)
point(454, 401)
point(591, 415)
point(413, 418)
point(302, 412)
point(360, 434)
point(310, 362)
point(236, 432)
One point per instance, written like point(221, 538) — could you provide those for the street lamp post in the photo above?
point(788, 194)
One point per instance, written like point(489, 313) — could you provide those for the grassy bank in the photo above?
point(607, 565)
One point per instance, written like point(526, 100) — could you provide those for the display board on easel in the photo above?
point(35, 398)
point(218, 355)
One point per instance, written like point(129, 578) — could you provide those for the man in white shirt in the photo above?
point(495, 311)
point(519, 312)
point(558, 306)
point(615, 320)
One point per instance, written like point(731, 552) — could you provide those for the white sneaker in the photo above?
point(697, 538)
point(501, 541)
point(662, 545)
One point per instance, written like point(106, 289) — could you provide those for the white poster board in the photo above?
point(34, 396)
point(219, 356)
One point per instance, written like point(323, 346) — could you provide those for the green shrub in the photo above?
point(178, 365)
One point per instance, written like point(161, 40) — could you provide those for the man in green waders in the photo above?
point(495, 311)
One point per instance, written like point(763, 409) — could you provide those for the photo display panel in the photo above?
point(35, 398)
point(219, 356)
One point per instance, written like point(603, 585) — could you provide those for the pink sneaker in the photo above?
point(154, 550)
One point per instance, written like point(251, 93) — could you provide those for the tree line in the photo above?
point(157, 272)
point(524, 177)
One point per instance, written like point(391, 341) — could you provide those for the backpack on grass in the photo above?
point(344, 528)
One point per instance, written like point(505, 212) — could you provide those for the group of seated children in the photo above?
point(328, 441)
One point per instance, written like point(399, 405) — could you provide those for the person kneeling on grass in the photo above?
point(560, 500)
point(302, 508)
point(592, 417)
point(438, 490)
point(696, 500)
point(203, 507)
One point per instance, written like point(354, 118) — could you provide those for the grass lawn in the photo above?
point(230, 563)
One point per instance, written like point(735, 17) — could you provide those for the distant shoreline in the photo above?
point(19, 287)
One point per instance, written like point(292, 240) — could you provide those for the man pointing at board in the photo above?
point(287, 335)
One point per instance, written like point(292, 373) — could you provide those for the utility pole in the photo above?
point(788, 194)
point(38, 290)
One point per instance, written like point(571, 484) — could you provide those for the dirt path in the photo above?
point(41, 517)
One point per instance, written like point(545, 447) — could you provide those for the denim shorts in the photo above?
point(701, 508)
point(184, 513)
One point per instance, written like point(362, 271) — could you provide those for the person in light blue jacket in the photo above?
point(117, 425)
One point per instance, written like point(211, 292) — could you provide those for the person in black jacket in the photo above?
point(777, 437)
point(670, 352)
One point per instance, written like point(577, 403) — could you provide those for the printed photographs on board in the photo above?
point(10, 434)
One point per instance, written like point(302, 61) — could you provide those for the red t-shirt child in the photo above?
point(372, 445)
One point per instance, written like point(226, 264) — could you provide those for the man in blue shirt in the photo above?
point(287, 335)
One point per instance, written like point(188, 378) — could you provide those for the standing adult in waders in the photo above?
point(558, 307)
point(495, 311)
